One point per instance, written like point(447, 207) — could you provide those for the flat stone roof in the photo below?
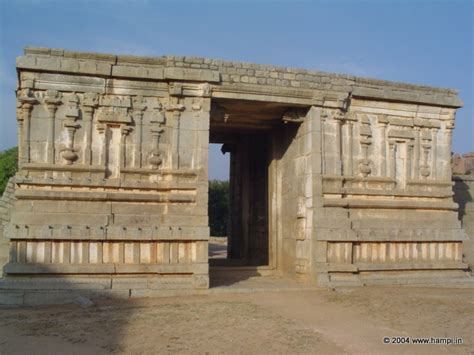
point(221, 72)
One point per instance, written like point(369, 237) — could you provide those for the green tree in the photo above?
point(218, 207)
point(8, 166)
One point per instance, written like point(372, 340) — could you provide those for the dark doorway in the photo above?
point(244, 131)
point(238, 209)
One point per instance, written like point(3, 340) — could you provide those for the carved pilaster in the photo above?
point(102, 129)
point(365, 141)
point(339, 118)
point(417, 148)
point(158, 120)
point(392, 147)
point(425, 168)
point(27, 102)
point(383, 123)
point(19, 133)
point(89, 106)
point(52, 101)
point(175, 107)
point(69, 154)
point(364, 166)
point(434, 152)
point(124, 130)
point(324, 116)
point(348, 152)
point(410, 147)
point(155, 158)
point(139, 106)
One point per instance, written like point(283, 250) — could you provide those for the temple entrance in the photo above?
point(256, 136)
point(247, 241)
point(244, 131)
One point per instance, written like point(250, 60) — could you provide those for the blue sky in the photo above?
point(423, 42)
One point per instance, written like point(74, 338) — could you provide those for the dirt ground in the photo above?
point(318, 321)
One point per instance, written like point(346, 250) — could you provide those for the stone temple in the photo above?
point(334, 178)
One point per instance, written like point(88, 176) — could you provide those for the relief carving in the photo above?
point(52, 101)
point(27, 101)
point(68, 153)
point(89, 105)
point(158, 120)
point(365, 141)
point(139, 107)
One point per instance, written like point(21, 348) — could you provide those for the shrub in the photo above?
point(218, 207)
point(8, 166)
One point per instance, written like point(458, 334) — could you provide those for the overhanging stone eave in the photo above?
point(198, 69)
point(379, 94)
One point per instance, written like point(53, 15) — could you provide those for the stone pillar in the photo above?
point(102, 129)
point(52, 101)
point(138, 118)
point(392, 146)
point(72, 114)
point(416, 160)
point(26, 112)
point(19, 134)
point(139, 106)
point(158, 119)
point(383, 121)
point(364, 167)
point(27, 102)
point(410, 146)
point(155, 159)
point(323, 143)
point(425, 170)
point(175, 107)
point(348, 151)
point(339, 119)
point(125, 130)
point(88, 107)
point(434, 152)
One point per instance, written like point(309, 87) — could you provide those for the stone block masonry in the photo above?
point(352, 181)
point(7, 201)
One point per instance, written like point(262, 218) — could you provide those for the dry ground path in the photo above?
point(321, 321)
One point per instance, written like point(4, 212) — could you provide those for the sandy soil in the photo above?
point(320, 321)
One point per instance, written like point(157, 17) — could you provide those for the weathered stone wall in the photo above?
point(464, 197)
point(291, 195)
point(388, 165)
point(6, 203)
point(112, 179)
point(113, 170)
